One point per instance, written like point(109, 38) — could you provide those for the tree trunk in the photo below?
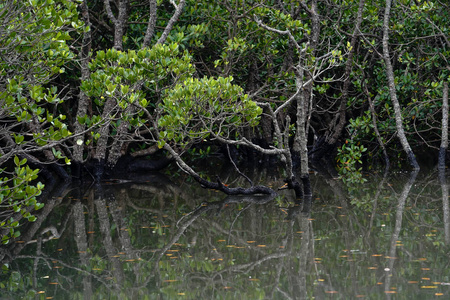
point(348, 70)
point(375, 128)
point(300, 143)
point(115, 150)
point(151, 24)
point(110, 105)
point(301, 136)
point(444, 139)
point(83, 99)
point(119, 21)
point(391, 83)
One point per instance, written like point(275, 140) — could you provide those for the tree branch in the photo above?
point(177, 13)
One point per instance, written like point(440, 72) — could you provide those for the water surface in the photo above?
point(161, 238)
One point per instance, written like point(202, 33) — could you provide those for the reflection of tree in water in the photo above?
point(151, 238)
point(100, 226)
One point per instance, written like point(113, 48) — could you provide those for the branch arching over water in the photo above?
point(218, 185)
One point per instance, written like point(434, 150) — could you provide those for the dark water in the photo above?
point(169, 239)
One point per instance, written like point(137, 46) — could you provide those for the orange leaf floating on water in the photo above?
point(390, 292)
point(261, 246)
point(331, 292)
point(428, 287)
point(413, 281)
point(439, 294)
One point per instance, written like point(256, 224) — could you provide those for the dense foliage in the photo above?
point(84, 84)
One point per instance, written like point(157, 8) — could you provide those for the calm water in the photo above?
point(169, 239)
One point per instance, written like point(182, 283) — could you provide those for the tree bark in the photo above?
point(119, 21)
point(173, 19)
point(391, 84)
point(444, 139)
point(151, 24)
point(83, 99)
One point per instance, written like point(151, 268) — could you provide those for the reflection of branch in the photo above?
point(45, 258)
point(54, 232)
point(445, 205)
point(250, 266)
point(105, 229)
point(398, 226)
point(375, 201)
point(204, 207)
